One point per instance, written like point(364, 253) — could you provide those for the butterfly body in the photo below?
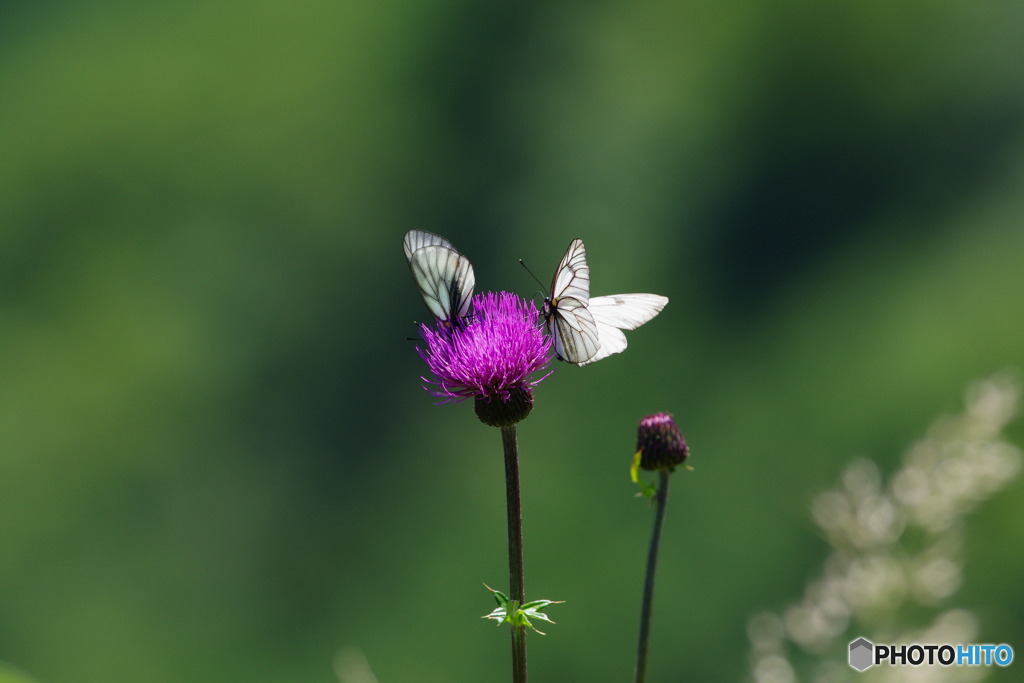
point(584, 329)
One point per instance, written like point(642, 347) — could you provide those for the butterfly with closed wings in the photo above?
point(586, 330)
point(443, 276)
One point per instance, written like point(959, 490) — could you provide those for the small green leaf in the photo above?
point(634, 470)
point(646, 490)
point(499, 597)
point(498, 615)
point(533, 609)
point(519, 616)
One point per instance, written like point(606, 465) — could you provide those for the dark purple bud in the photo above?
point(660, 444)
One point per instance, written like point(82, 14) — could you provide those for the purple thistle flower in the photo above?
point(492, 356)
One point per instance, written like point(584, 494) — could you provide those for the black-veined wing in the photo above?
point(444, 276)
point(417, 239)
point(572, 277)
point(570, 324)
point(574, 331)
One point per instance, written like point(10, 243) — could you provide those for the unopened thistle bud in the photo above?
point(659, 444)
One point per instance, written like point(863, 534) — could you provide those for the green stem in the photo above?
point(517, 589)
point(661, 502)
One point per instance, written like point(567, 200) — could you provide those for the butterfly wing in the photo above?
point(444, 276)
point(573, 330)
point(417, 239)
point(568, 321)
point(618, 312)
point(627, 311)
point(572, 278)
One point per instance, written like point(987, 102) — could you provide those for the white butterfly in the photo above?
point(443, 275)
point(587, 330)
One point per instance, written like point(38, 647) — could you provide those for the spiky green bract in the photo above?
point(519, 615)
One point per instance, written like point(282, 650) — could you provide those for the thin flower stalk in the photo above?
point(516, 572)
point(494, 356)
point(660, 503)
point(660, 447)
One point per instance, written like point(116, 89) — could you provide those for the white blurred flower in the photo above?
point(896, 545)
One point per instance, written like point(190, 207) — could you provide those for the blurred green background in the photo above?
point(217, 463)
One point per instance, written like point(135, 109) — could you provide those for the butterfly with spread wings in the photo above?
point(586, 330)
point(443, 275)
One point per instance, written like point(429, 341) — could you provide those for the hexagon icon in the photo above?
point(862, 654)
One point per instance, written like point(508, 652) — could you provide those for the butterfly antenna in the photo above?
point(415, 339)
point(523, 264)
